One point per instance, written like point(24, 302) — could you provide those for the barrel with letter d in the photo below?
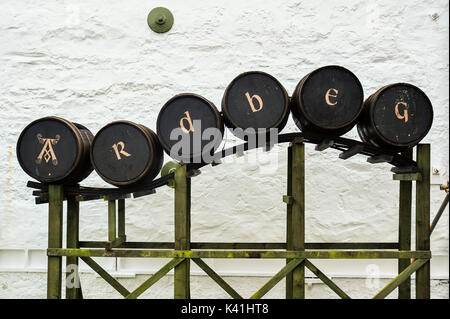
point(190, 128)
point(55, 150)
point(397, 116)
point(328, 101)
point(126, 154)
point(255, 102)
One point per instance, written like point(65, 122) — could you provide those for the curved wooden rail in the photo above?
point(348, 148)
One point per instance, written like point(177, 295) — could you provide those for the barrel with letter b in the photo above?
point(254, 103)
point(55, 150)
point(327, 101)
point(397, 116)
point(190, 128)
point(126, 154)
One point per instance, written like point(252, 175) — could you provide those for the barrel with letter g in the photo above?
point(328, 100)
point(397, 116)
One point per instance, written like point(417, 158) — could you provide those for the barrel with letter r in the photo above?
point(190, 128)
point(396, 117)
point(327, 101)
point(254, 103)
point(55, 150)
point(126, 154)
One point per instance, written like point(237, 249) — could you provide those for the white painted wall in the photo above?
point(94, 62)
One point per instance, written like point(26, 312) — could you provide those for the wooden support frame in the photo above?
point(423, 219)
point(73, 286)
point(295, 251)
point(295, 282)
point(404, 230)
point(255, 254)
point(55, 233)
point(182, 231)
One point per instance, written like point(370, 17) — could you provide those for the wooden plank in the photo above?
point(383, 158)
point(153, 279)
point(316, 271)
point(144, 193)
point(106, 276)
point(404, 169)
point(352, 151)
point(121, 219)
point(423, 219)
point(43, 199)
point(298, 217)
point(355, 245)
point(116, 196)
point(289, 287)
point(55, 225)
point(182, 231)
point(85, 198)
point(241, 245)
point(111, 220)
point(271, 254)
point(404, 230)
point(326, 143)
point(291, 266)
point(219, 280)
point(72, 236)
point(407, 177)
point(404, 275)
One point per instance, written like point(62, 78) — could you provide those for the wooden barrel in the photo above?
point(328, 101)
point(255, 102)
point(126, 154)
point(54, 150)
point(190, 128)
point(397, 116)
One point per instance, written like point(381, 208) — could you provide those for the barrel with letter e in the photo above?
point(397, 116)
point(254, 103)
point(328, 100)
point(190, 128)
point(126, 154)
point(55, 150)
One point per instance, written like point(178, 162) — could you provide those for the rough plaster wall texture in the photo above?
point(33, 286)
point(93, 63)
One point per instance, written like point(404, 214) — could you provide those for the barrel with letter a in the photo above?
point(55, 150)
point(327, 101)
point(254, 103)
point(190, 128)
point(126, 154)
point(397, 116)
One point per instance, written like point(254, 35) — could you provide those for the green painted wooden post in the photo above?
point(182, 232)
point(289, 223)
point(121, 219)
point(423, 219)
point(404, 230)
point(111, 220)
point(72, 279)
point(298, 216)
point(55, 222)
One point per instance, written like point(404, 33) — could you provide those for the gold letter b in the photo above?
point(250, 101)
